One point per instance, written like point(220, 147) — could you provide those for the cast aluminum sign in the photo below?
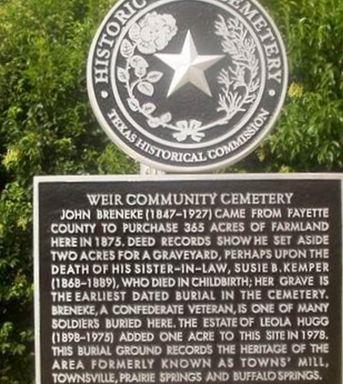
point(187, 86)
point(252, 264)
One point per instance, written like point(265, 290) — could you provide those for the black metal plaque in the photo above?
point(209, 279)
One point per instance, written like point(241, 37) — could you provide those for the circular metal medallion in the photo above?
point(187, 86)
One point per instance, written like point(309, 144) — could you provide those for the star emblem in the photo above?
point(189, 66)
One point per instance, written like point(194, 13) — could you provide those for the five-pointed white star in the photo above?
point(189, 66)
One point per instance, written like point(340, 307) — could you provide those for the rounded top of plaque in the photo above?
point(187, 86)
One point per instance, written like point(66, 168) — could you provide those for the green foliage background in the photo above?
point(47, 127)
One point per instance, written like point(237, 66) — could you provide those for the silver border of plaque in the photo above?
point(137, 178)
point(186, 169)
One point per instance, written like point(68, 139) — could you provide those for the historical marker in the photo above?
point(188, 279)
point(187, 86)
point(209, 279)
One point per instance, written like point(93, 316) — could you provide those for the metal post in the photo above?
point(146, 170)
